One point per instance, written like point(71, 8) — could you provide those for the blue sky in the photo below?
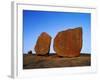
point(36, 22)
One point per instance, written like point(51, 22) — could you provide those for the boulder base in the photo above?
point(68, 43)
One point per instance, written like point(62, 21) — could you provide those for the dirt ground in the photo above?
point(32, 61)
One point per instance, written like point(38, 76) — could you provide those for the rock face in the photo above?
point(68, 43)
point(42, 46)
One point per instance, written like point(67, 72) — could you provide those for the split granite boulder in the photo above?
point(68, 43)
point(42, 46)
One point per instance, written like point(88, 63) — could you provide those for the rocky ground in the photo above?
point(32, 61)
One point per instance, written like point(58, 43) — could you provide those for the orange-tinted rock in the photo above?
point(42, 46)
point(68, 43)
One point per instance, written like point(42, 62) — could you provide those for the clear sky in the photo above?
point(36, 22)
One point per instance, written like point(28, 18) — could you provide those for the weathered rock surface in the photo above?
point(42, 46)
point(68, 43)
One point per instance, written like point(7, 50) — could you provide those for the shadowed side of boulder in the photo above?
point(42, 46)
point(68, 43)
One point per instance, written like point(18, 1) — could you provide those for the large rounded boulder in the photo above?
point(68, 43)
point(42, 46)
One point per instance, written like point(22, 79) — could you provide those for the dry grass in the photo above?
point(53, 61)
